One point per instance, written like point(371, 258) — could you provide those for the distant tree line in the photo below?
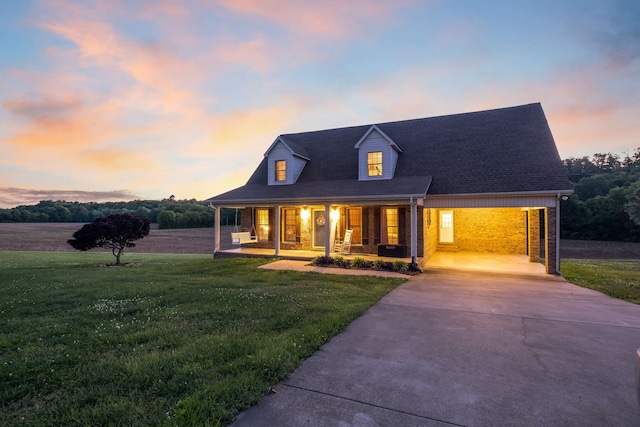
point(605, 204)
point(605, 200)
point(167, 213)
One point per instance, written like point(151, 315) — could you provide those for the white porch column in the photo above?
point(216, 230)
point(327, 230)
point(414, 231)
point(276, 236)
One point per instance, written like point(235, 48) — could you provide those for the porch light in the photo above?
point(305, 214)
point(335, 215)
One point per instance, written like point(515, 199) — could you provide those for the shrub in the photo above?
point(400, 266)
point(378, 264)
point(358, 262)
point(322, 261)
point(341, 262)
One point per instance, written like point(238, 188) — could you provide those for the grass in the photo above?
point(616, 278)
point(177, 340)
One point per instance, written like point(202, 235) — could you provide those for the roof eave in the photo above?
point(319, 200)
point(564, 192)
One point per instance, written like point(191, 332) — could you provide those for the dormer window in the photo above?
point(281, 170)
point(282, 155)
point(374, 163)
point(377, 155)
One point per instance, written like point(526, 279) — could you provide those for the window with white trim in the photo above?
point(374, 163)
point(263, 224)
point(390, 226)
point(354, 222)
point(289, 225)
point(281, 170)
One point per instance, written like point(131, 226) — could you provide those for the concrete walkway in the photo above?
point(470, 348)
point(287, 264)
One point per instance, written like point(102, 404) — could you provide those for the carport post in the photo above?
point(551, 238)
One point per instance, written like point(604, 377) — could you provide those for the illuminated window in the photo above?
point(354, 222)
point(263, 224)
point(390, 225)
point(290, 225)
point(374, 163)
point(447, 220)
point(281, 170)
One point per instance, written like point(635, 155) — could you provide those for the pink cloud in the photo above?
point(256, 54)
point(329, 19)
point(250, 125)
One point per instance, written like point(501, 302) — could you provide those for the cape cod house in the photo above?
point(487, 181)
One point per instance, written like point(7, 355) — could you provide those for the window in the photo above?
point(281, 170)
point(354, 222)
point(374, 163)
point(263, 224)
point(390, 226)
point(290, 225)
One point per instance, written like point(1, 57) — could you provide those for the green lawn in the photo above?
point(617, 278)
point(177, 340)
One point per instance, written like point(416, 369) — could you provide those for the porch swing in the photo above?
point(239, 237)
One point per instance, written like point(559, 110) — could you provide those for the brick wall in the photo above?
point(534, 235)
point(551, 228)
point(502, 230)
point(430, 233)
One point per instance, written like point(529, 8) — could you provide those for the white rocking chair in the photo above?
point(343, 246)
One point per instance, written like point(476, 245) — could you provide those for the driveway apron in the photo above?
point(468, 348)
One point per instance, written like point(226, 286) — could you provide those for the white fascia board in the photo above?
point(291, 150)
point(391, 199)
point(384, 135)
point(506, 194)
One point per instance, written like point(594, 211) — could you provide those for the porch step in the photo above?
point(451, 247)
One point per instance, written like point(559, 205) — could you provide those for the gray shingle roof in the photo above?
point(504, 150)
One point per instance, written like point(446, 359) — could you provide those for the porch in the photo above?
point(302, 255)
point(478, 261)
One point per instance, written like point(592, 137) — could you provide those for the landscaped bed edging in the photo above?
point(358, 263)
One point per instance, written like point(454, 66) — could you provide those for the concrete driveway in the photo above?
point(470, 348)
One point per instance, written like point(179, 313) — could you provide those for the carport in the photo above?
point(501, 224)
point(484, 261)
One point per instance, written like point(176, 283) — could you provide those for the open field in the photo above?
point(176, 340)
point(54, 236)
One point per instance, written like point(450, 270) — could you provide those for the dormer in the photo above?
point(285, 161)
point(377, 155)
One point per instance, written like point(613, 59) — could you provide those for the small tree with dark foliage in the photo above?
point(115, 231)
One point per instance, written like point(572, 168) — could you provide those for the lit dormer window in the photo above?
point(282, 155)
point(281, 170)
point(377, 155)
point(374, 163)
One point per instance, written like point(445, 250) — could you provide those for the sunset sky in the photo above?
point(122, 99)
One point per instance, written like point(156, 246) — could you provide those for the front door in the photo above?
point(446, 226)
point(319, 224)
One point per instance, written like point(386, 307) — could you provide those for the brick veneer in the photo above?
point(551, 227)
point(534, 235)
point(496, 230)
